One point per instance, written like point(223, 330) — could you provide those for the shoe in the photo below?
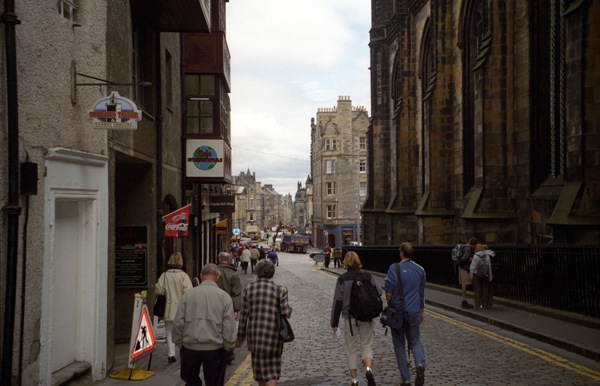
point(355, 383)
point(172, 360)
point(404, 383)
point(370, 379)
point(465, 304)
point(420, 379)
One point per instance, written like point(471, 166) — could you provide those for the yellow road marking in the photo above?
point(240, 372)
point(544, 355)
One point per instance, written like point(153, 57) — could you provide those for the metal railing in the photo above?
point(563, 277)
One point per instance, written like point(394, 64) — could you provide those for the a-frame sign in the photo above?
point(142, 335)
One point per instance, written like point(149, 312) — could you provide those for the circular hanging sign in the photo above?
point(236, 231)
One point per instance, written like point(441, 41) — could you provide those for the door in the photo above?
point(64, 312)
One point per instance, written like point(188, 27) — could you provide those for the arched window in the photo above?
point(427, 74)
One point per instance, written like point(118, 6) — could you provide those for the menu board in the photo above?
point(131, 256)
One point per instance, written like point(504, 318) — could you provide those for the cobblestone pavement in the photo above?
point(459, 350)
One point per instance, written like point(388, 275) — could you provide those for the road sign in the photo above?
point(144, 340)
point(236, 231)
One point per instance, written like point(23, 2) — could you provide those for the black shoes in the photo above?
point(465, 304)
point(420, 379)
point(172, 360)
point(370, 379)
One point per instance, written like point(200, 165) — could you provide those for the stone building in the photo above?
point(302, 218)
point(257, 205)
point(83, 190)
point(485, 122)
point(338, 171)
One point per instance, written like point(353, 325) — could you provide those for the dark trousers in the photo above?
point(214, 362)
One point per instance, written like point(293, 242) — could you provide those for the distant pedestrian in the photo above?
point(359, 335)
point(173, 283)
point(254, 256)
point(327, 252)
point(481, 274)
point(229, 281)
point(336, 254)
point(413, 288)
point(261, 303)
point(262, 253)
point(463, 270)
point(273, 257)
point(205, 330)
point(245, 259)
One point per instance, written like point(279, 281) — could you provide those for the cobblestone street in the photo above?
point(459, 350)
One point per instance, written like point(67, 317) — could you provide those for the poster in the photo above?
point(131, 256)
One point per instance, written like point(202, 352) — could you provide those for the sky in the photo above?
point(289, 58)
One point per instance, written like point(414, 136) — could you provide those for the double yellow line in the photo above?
point(243, 375)
point(544, 355)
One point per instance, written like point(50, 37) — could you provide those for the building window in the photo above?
point(200, 97)
point(67, 9)
point(330, 166)
point(330, 211)
point(143, 68)
point(334, 144)
point(329, 144)
point(362, 143)
point(330, 188)
point(363, 188)
point(362, 166)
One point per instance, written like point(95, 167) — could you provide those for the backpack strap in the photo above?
point(399, 274)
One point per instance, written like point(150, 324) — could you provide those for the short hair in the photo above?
point(176, 260)
point(224, 257)
point(210, 269)
point(473, 241)
point(264, 269)
point(352, 260)
point(407, 249)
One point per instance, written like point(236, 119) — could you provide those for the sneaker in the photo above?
point(465, 304)
point(370, 379)
point(420, 379)
point(172, 360)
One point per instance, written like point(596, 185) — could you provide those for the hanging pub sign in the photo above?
point(208, 159)
point(176, 223)
point(115, 112)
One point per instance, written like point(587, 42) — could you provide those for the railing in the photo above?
point(563, 277)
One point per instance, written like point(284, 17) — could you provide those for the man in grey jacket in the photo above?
point(204, 328)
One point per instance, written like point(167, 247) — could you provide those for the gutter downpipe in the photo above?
point(159, 155)
point(12, 208)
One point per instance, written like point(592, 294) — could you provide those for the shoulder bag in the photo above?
point(392, 317)
point(285, 329)
point(160, 304)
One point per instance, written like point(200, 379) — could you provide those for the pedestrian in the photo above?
point(481, 274)
point(235, 251)
point(229, 281)
point(463, 270)
point(245, 259)
point(273, 257)
point(173, 283)
point(205, 330)
point(336, 254)
point(413, 289)
point(358, 337)
point(262, 253)
point(254, 255)
point(262, 302)
point(327, 252)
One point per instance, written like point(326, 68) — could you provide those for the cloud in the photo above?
point(290, 58)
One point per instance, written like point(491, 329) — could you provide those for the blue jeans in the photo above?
point(413, 334)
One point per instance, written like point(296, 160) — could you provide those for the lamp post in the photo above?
point(358, 195)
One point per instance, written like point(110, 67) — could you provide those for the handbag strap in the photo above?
point(399, 275)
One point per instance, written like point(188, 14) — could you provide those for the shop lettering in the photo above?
point(181, 227)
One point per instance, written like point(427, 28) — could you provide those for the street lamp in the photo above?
point(358, 195)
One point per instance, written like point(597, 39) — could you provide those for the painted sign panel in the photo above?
point(207, 158)
point(176, 222)
point(131, 256)
point(115, 112)
point(221, 204)
point(144, 340)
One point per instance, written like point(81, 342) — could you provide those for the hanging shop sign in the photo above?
point(208, 159)
point(221, 204)
point(176, 223)
point(115, 112)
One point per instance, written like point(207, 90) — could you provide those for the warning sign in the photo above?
point(144, 340)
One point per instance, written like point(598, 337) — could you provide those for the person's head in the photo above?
point(224, 257)
point(406, 250)
point(264, 269)
point(480, 247)
point(176, 260)
point(210, 272)
point(473, 242)
point(352, 260)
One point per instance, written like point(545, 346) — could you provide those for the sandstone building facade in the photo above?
point(485, 122)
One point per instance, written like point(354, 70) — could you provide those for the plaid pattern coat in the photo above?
point(258, 320)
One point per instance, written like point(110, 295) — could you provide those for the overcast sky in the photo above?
point(289, 58)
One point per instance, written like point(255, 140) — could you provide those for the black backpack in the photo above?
point(365, 302)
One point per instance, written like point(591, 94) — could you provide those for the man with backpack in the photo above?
point(465, 256)
point(357, 299)
point(405, 290)
point(481, 274)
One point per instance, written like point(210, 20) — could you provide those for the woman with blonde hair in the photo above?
point(173, 283)
point(358, 334)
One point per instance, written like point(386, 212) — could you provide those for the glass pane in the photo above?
point(206, 107)
point(207, 125)
point(192, 84)
point(207, 85)
point(192, 108)
point(193, 125)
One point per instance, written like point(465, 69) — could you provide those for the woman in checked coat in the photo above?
point(259, 323)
